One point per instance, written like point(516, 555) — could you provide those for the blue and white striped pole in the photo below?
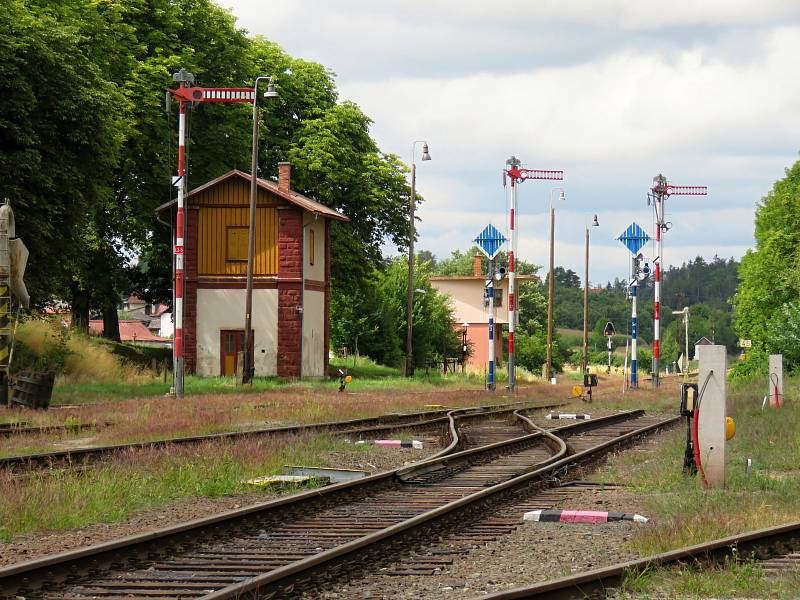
point(634, 287)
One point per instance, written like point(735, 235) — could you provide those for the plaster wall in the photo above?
point(219, 309)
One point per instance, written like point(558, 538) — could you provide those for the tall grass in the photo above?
point(144, 479)
point(688, 514)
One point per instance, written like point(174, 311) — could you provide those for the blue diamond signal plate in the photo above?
point(490, 240)
point(634, 238)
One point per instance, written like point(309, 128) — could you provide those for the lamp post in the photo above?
point(248, 370)
point(550, 284)
point(585, 366)
point(412, 205)
point(685, 367)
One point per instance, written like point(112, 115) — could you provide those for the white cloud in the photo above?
point(611, 91)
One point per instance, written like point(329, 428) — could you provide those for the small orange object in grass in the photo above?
point(730, 428)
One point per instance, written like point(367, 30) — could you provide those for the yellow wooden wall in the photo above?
point(225, 205)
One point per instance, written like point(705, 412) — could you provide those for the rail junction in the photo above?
point(308, 540)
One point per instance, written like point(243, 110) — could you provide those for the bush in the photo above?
point(756, 365)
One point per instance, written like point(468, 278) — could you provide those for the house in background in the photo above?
point(291, 277)
point(472, 314)
point(131, 331)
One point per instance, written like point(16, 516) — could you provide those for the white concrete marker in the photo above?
point(711, 419)
point(775, 380)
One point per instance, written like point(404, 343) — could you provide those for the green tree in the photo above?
point(768, 281)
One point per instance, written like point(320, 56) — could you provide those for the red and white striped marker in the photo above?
point(580, 516)
point(394, 443)
point(567, 416)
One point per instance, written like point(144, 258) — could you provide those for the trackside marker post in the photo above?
point(517, 175)
point(634, 238)
point(711, 413)
point(775, 380)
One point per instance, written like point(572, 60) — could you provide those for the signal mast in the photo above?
point(660, 191)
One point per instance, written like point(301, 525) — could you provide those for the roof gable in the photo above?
point(290, 196)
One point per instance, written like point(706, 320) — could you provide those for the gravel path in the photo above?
point(531, 552)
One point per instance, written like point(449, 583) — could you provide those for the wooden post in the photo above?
point(713, 411)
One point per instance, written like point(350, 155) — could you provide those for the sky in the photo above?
point(612, 92)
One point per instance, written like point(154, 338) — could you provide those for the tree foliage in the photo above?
point(764, 304)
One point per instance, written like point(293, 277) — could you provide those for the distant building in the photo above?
point(471, 313)
point(131, 331)
point(291, 279)
point(703, 341)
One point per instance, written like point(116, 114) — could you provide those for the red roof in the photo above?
point(129, 331)
point(297, 199)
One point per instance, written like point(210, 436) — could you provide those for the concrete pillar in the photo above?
point(711, 421)
point(775, 379)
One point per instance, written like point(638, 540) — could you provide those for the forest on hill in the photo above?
point(706, 287)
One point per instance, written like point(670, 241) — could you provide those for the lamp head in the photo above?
point(271, 91)
point(595, 223)
point(425, 154)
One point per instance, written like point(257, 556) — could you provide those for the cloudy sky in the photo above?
point(611, 91)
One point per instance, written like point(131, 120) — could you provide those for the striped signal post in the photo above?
point(634, 238)
point(517, 175)
point(660, 191)
point(186, 94)
point(490, 241)
point(5, 302)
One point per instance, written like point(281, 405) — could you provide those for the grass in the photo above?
point(146, 479)
point(686, 514)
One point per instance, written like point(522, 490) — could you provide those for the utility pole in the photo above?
point(685, 366)
point(412, 204)
point(660, 191)
point(249, 369)
point(517, 175)
point(585, 365)
point(185, 94)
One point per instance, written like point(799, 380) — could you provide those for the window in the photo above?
point(237, 244)
point(312, 247)
point(498, 297)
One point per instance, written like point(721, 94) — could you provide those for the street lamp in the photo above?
point(549, 365)
point(248, 370)
point(585, 365)
point(412, 204)
point(685, 313)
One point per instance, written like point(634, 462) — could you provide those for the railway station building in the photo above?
point(291, 276)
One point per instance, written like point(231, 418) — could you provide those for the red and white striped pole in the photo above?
point(184, 78)
point(661, 191)
point(659, 210)
point(517, 175)
point(514, 164)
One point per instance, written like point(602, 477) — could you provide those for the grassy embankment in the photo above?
point(686, 514)
point(141, 480)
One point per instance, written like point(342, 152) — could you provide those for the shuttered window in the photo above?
point(237, 244)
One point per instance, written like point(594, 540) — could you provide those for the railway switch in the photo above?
point(689, 392)
point(589, 382)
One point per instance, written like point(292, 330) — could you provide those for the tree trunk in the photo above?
point(110, 322)
point(80, 311)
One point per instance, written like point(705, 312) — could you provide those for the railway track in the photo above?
point(776, 549)
point(353, 427)
point(299, 540)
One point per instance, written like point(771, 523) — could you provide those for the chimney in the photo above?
point(284, 176)
point(477, 266)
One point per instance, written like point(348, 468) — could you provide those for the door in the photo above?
point(231, 343)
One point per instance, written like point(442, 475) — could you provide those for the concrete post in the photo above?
point(713, 411)
point(775, 380)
